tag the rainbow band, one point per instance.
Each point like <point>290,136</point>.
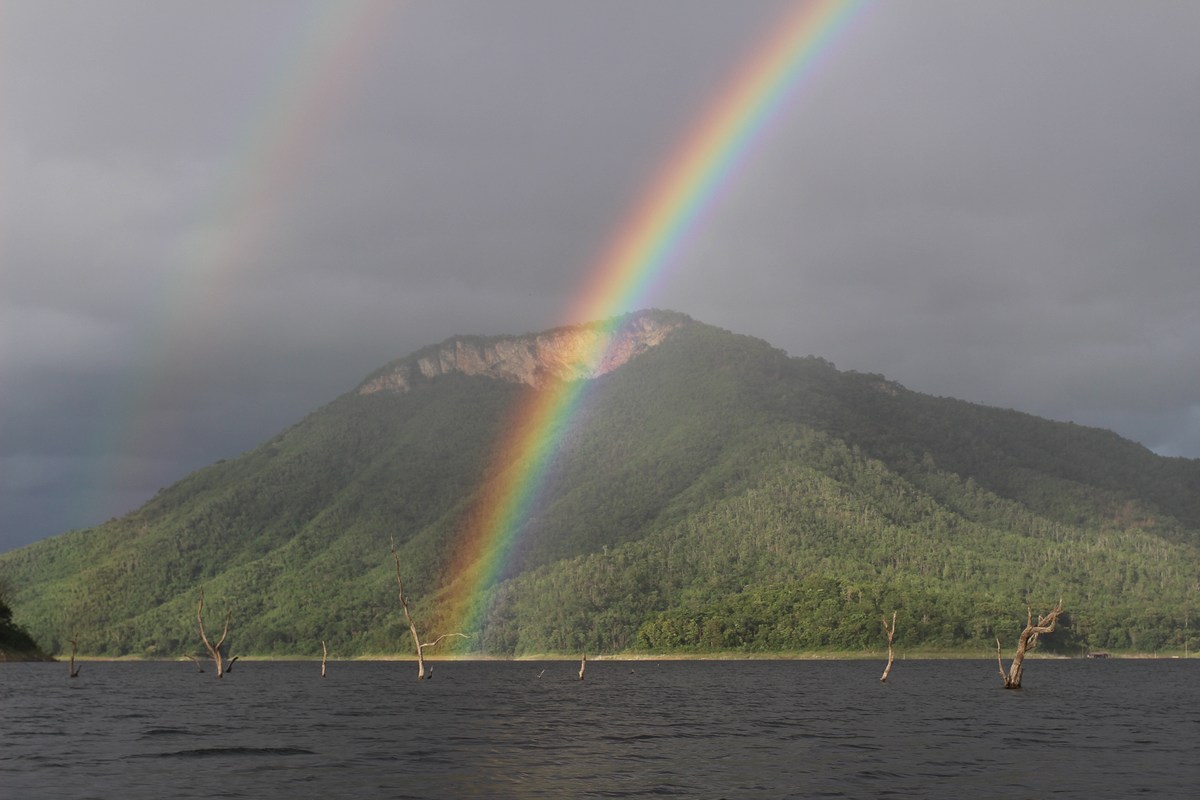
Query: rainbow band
<point>645,244</point>
<point>302,87</point>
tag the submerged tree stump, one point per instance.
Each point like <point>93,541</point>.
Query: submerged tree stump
<point>1025,643</point>
<point>412,626</point>
<point>214,650</point>
<point>891,634</point>
<point>72,670</point>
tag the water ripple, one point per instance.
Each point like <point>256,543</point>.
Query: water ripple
<point>699,730</point>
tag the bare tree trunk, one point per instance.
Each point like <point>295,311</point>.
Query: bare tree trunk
<point>1025,643</point>
<point>891,634</point>
<point>324,656</point>
<point>582,666</point>
<point>72,670</point>
<point>214,651</point>
<point>412,626</point>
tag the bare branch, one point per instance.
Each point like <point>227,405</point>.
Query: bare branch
<point>1047,623</point>
<point>443,636</point>
<point>200,621</point>
<point>225,633</point>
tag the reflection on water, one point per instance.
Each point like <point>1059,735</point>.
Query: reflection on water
<point>939,729</point>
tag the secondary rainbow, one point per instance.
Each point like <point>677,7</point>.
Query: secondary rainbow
<point>668,212</point>
<point>307,77</point>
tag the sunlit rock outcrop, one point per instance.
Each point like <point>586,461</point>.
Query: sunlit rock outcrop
<point>562,354</point>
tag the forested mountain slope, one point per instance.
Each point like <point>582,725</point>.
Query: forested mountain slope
<point>712,494</point>
<point>15,643</point>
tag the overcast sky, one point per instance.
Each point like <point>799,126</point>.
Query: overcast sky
<point>216,217</point>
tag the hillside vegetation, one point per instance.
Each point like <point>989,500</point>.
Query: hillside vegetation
<point>15,642</point>
<point>712,494</point>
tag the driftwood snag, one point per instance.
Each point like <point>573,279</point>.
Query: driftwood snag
<point>422,674</point>
<point>214,650</point>
<point>891,634</point>
<point>324,656</point>
<point>1025,643</point>
<point>582,666</point>
<point>72,670</point>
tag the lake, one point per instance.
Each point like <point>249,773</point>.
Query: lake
<point>709,729</point>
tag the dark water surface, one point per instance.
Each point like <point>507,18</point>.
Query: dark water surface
<point>938,729</point>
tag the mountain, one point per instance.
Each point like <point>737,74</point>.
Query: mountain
<point>712,493</point>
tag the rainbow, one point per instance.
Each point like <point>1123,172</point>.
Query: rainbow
<point>668,213</point>
<point>306,78</point>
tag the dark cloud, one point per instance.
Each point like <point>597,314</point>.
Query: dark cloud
<point>219,216</point>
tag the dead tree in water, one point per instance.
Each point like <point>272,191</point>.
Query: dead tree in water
<point>324,656</point>
<point>72,670</point>
<point>412,626</point>
<point>891,634</point>
<point>582,666</point>
<point>1026,642</point>
<point>214,650</point>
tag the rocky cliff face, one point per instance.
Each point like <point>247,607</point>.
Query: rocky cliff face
<point>569,353</point>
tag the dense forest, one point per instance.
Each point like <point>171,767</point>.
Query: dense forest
<point>15,642</point>
<point>712,494</point>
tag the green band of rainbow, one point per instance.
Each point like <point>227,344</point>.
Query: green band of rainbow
<point>638,255</point>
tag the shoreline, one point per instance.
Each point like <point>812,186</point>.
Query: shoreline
<point>633,657</point>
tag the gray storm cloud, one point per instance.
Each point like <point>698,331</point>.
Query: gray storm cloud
<point>994,201</point>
